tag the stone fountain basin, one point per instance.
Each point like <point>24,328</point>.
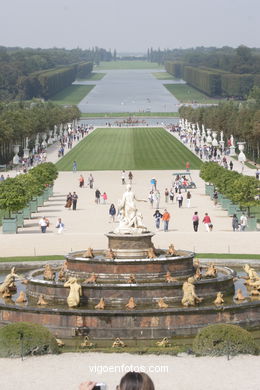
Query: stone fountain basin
<point>119,293</point>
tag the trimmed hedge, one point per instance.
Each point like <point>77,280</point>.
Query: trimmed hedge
<point>27,339</point>
<point>224,339</point>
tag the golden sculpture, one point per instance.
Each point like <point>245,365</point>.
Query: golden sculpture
<point>59,342</point>
<point>25,281</point>
<point>118,343</point>
<point>151,254</point>
<point>48,274</point>
<point>89,253</point>
<point>131,304</point>
<point>255,292</point>
<point>110,254</point>
<point>170,278</point>
<point>189,295</point>
<point>239,295</point>
<point>131,279</point>
<point>87,343</point>
<point>41,301</point>
<point>162,304</point>
<point>211,271</point>
<point>163,343</point>
<point>219,299</point>
<point>73,299</point>
<point>198,274</point>
<point>91,279</point>
<point>171,250</point>
<point>21,298</point>
<point>63,270</point>
<point>196,263</point>
<point>7,293</point>
<point>101,304</point>
<point>9,283</point>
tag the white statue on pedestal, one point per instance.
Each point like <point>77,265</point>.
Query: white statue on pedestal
<point>131,221</point>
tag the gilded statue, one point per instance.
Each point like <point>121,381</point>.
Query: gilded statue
<point>162,304</point>
<point>21,298</point>
<point>211,271</point>
<point>131,279</point>
<point>48,274</point>
<point>118,343</point>
<point>239,295</point>
<point>41,300</point>
<point>91,279</point>
<point>110,254</point>
<point>151,254</point>
<point>89,253</point>
<point>73,299</point>
<point>219,299</point>
<point>101,304</point>
<point>169,278</point>
<point>87,343</point>
<point>9,283</point>
<point>189,295</point>
<point>163,343</point>
<point>131,304</point>
<point>252,274</point>
<point>171,250</point>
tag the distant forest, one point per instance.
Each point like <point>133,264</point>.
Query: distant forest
<point>17,64</point>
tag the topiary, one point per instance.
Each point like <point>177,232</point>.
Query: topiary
<point>224,339</point>
<point>25,338</point>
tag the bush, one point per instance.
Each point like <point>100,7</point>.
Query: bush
<point>224,339</point>
<point>27,339</point>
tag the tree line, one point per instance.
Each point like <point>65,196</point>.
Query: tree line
<point>19,120</point>
<point>16,64</point>
<point>241,119</point>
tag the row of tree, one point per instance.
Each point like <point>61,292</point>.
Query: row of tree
<point>26,119</point>
<point>16,64</point>
<point>242,120</point>
<point>16,193</point>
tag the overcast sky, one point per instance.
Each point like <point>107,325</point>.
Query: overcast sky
<point>129,25</point>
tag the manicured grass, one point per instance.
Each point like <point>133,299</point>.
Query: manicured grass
<point>94,76</point>
<point>163,76</point>
<point>130,149</point>
<point>128,114</point>
<point>227,256</point>
<point>72,95</point>
<point>106,65</point>
<point>20,259</point>
<point>186,94</point>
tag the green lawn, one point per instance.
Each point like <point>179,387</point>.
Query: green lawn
<point>186,94</point>
<point>94,76</point>
<point>129,148</point>
<point>163,76</point>
<point>72,94</point>
<point>128,114</point>
<point>106,65</point>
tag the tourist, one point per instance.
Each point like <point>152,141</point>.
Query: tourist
<point>166,218</point>
<point>74,200</point>
<point>188,199</point>
<point>44,223</point>
<point>157,197</point>
<point>171,195</point>
<point>231,165</point>
<point>151,198</point>
<point>207,222</point>
<point>130,381</point>
<point>112,212</point>
<point>180,199</point>
<point>243,222</point>
<point>257,174</point>
<point>130,177</point>
<point>2,177</point>
<point>68,201</point>
<point>97,196</point>
<point>123,177</point>
<point>157,216</point>
<point>166,195</point>
<point>81,181</point>
<point>187,166</point>
<point>153,183</point>
<point>195,221</point>
<point>74,166</point>
<point>60,225</point>
<point>235,224</point>
<point>90,181</point>
<point>215,198</point>
<point>104,197</point>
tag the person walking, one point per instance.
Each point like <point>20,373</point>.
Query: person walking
<point>68,201</point>
<point>157,196</point>
<point>166,218</point>
<point>74,200</point>
<point>90,181</point>
<point>74,166</point>
<point>171,195</point>
<point>195,221</point>
<point>207,222</point>
<point>180,199</point>
<point>231,165</point>
<point>112,212</point>
<point>235,224</point>
<point>243,222</point>
<point>215,198</point>
<point>104,197</point>
<point>166,195</point>
<point>44,223</point>
<point>151,198</point>
<point>81,181</point>
<point>187,166</point>
<point>97,196</point>
<point>123,177</point>
<point>188,199</point>
<point>130,177</point>
<point>157,216</point>
<point>60,225</point>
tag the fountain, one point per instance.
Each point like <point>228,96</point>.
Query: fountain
<point>131,290</point>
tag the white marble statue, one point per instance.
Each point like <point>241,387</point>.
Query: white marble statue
<point>130,220</point>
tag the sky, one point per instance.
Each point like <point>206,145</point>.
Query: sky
<point>129,25</point>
